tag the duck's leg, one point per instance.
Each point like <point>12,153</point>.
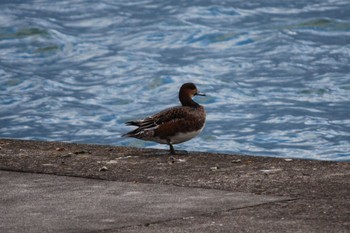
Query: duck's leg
<point>172,151</point>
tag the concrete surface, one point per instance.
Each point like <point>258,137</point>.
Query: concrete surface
<point>43,203</point>
<point>318,191</point>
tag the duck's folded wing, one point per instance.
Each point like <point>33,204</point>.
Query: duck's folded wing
<point>159,118</point>
<point>170,114</point>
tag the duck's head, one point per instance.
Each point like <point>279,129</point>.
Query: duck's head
<point>187,92</point>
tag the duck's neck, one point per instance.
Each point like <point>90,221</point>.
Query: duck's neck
<point>188,101</point>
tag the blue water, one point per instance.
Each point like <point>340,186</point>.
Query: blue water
<point>276,73</point>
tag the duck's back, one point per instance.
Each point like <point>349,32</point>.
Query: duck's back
<point>179,124</point>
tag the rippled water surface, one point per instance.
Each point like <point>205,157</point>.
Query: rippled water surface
<point>276,73</point>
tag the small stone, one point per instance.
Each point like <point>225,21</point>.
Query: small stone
<point>127,157</point>
<point>214,168</point>
<point>66,155</point>
<point>103,169</point>
<point>48,165</point>
<point>60,149</point>
<point>270,171</point>
<point>288,160</point>
<point>171,160</point>
<point>112,161</point>
<point>236,161</point>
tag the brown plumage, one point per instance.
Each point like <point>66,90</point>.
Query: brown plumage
<point>173,125</point>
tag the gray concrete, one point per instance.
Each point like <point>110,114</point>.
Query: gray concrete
<point>159,188</point>
<point>47,203</point>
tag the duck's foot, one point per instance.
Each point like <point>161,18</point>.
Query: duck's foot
<point>172,151</point>
<point>178,152</point>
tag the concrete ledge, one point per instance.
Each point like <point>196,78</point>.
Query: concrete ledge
<point>320,189</point>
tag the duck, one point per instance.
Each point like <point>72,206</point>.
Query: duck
<point>173,125</point>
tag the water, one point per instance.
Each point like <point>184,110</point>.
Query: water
<point>276,73</point>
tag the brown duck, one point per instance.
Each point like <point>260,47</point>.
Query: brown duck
<point>173,125</point>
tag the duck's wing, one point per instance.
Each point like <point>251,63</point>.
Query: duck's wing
<point>153,122</point>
